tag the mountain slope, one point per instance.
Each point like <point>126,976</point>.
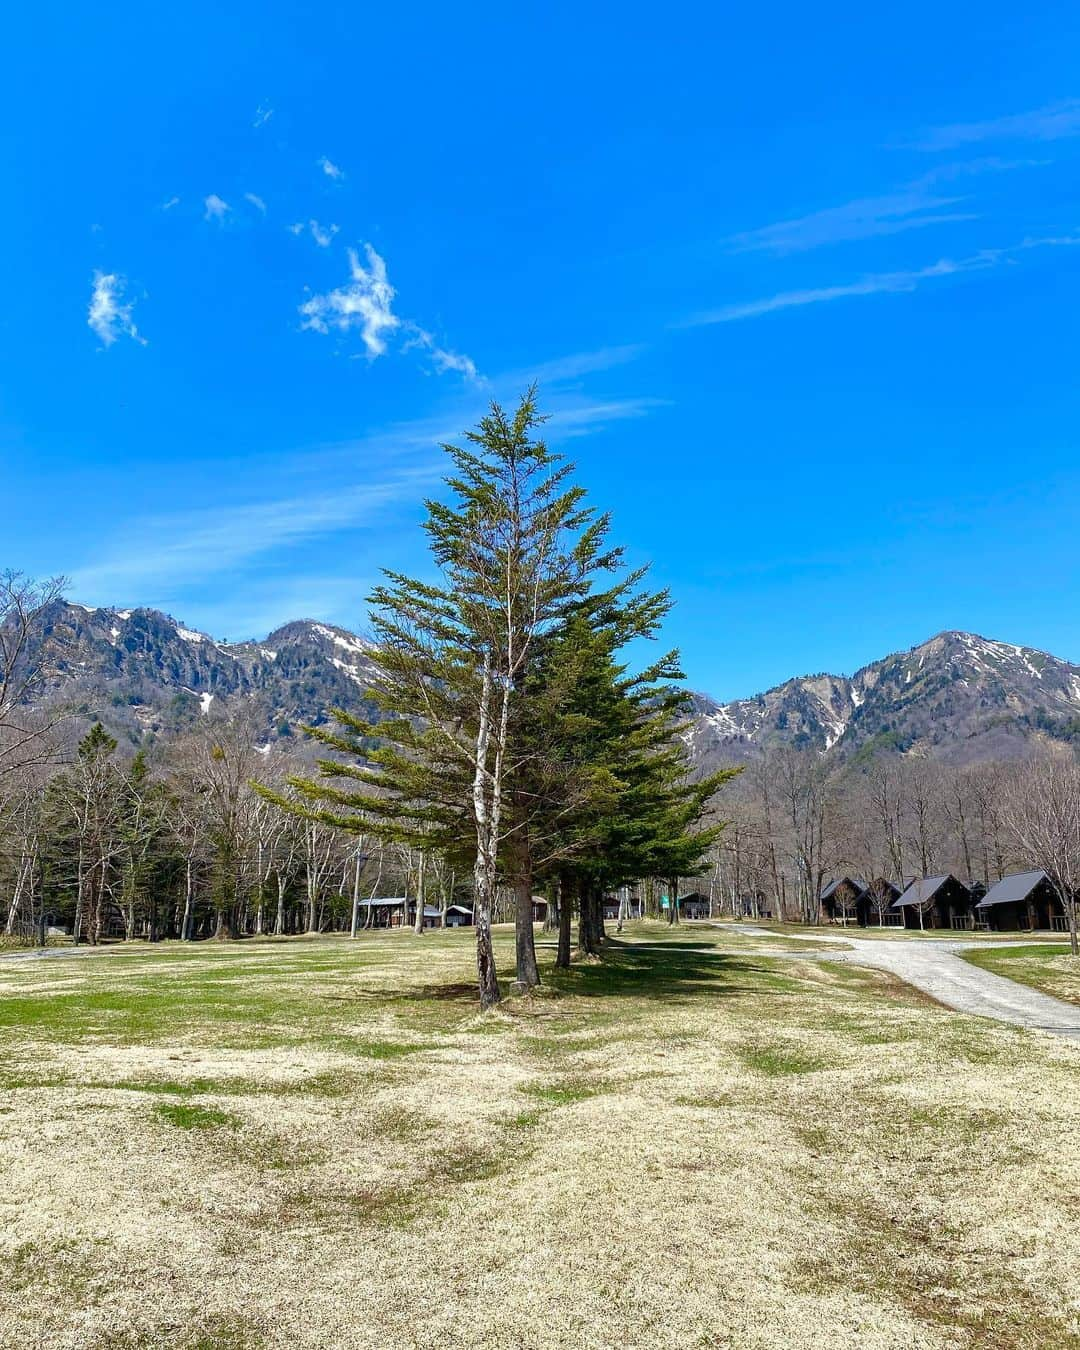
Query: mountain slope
<point>956,697</point>
<point>144,675</point>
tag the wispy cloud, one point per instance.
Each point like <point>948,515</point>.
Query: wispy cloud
<point>261,545</point>
<point>876,283</point>
<point>109,313</point>
<point>568,421</point>
<point>442,358</point>
<point>1054,122</point>
<point>365,303</point>
<point>215,208</point>
<point>200,544</point>
<point>255,201</point>
<point>911,208</point>
<point>330,168</point>
<point>322,234</point>
<point>564,369</point>
<point>263,114</point>
<point>168,206</point>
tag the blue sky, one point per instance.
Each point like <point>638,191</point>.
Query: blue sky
<point>800,287</point>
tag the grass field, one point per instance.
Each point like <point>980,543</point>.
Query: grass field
<point>318,1143</point>
<point>1048,967</point>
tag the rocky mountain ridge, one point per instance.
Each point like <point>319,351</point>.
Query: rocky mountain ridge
<point>144,675</point>
<point>956,697</point>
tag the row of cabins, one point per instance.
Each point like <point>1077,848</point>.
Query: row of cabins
<point>400,911</point>
<point>1020,903</point>
<point>397,911</point>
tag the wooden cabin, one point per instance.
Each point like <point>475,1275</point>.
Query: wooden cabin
<point>458,916</point>
<point>843,899</point>
<point>1022,902</point>
<point>694,906</point>
<point>935,902</point>
<point>879,899</point>
<point>384,911</point>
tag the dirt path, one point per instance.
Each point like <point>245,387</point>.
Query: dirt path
<point>936,968</point>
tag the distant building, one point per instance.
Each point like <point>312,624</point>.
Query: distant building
<point>935,902</point>
<point>694,906</point>
<point>1026,900</point>
<point>458,916</point>
<point>385,911</point>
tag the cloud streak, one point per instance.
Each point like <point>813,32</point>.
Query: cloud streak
<point>330,168</point>
<point>200,544</point>
<point>442,358</point>
<point>911,208</point>
<point>877,283</point>
<point>109,314</point>
<point>1056,121</point>
<point>215,208</point>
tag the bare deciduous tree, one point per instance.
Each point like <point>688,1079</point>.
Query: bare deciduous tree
<point>1042,810</point>
<point>27,656</point>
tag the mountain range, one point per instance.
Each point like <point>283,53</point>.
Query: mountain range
<point>956,697</point>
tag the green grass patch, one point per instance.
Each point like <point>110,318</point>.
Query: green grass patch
<point>775,1061</point>
<point>562,1094</point>
<point>190,1116</point>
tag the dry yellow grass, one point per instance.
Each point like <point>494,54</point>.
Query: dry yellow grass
<point>323,1144</point>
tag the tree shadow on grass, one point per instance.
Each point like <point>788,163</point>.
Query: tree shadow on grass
<point>675,971</point>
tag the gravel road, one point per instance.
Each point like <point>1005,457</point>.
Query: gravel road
<point>934,966</point>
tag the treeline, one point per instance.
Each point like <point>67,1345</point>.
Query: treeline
<point>180,847</point>
<point>796,821</point>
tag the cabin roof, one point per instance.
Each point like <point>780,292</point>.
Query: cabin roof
<point>923,889</point>
<point>855,882</point>
<point>1011,889</point>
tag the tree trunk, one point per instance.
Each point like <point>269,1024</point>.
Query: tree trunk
<point>486,813</point>
<point>354,922</point>
<point>418,927</point>
<point>483,897</point>
<point>562,958</point>
<point>589,907</point>
<point>187,921</point>
<point>81,883</point>
<point>528,977</point>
